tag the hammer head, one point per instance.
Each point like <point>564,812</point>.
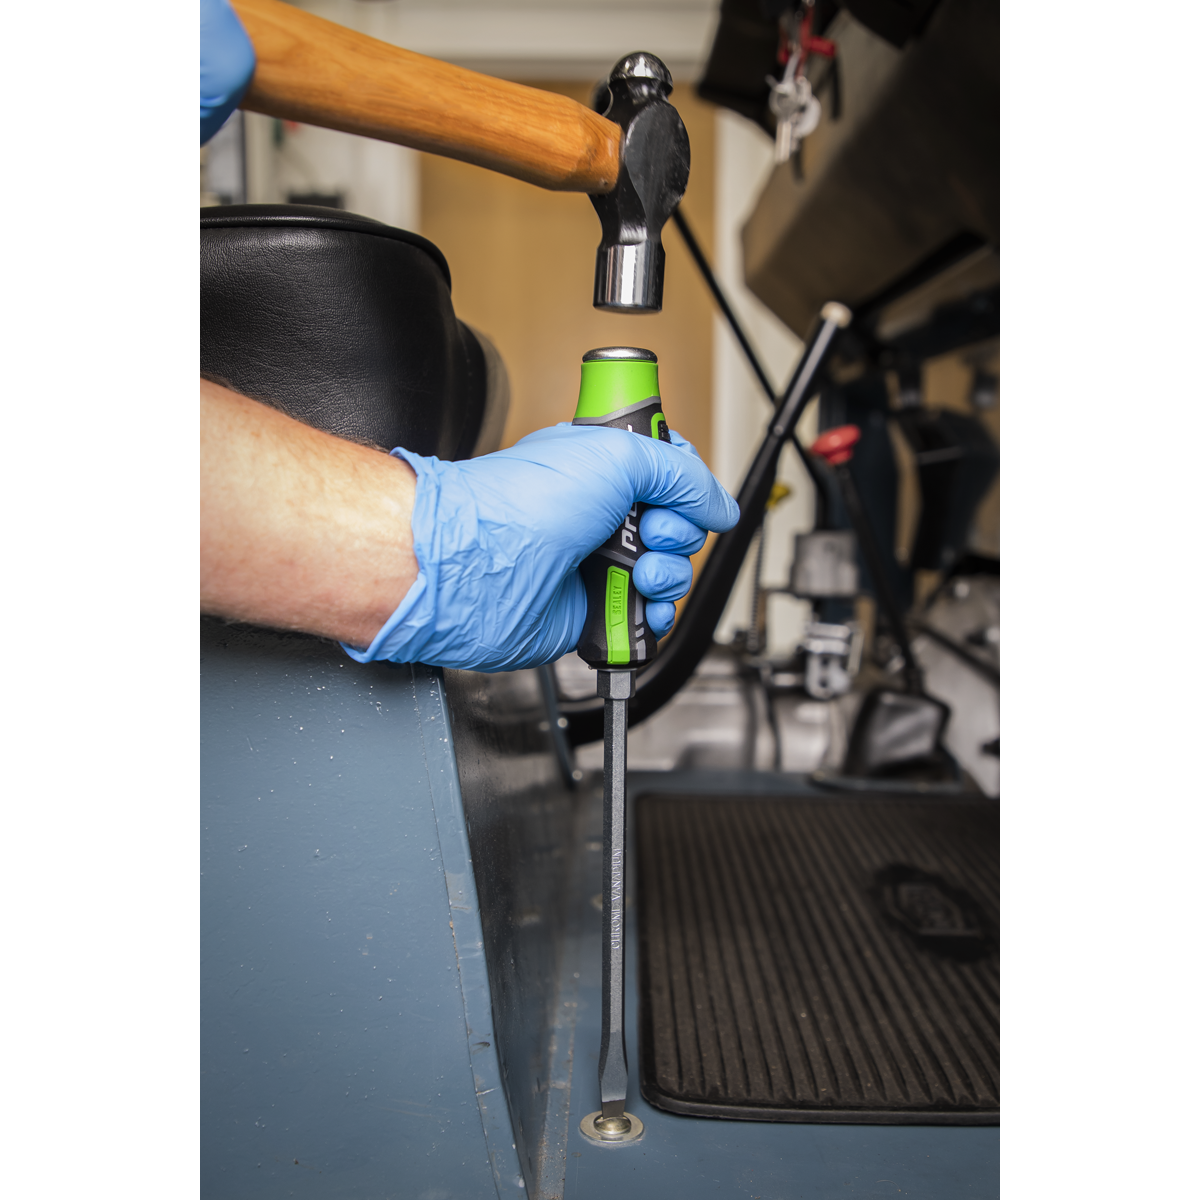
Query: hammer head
<point>655,161</point>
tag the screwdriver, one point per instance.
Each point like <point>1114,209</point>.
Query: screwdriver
<point>619,389</point>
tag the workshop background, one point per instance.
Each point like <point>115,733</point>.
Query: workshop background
<point>434,900</point>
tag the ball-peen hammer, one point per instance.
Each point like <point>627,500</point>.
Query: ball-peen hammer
<point>635,166</point>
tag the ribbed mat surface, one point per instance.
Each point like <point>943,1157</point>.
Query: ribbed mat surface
<point>813,959</point>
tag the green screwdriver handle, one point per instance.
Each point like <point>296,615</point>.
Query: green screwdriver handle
<point>618,389</point>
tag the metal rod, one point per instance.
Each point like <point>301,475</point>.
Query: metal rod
<point>718,294</point>
<point>875,565</point>
<point>989,671</point>
<point>754,635</point>
<point>563,751</point>
<point>689,238</point>
<point>614,1071</point>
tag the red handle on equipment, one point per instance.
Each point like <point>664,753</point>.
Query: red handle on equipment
<point>836,446</point>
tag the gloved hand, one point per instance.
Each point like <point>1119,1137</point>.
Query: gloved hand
<point>499,540</point>
<point>226,65</point>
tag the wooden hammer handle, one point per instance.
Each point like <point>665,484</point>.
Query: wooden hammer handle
<point>315,71</point>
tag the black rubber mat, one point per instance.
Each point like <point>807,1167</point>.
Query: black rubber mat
<point>821,960</point>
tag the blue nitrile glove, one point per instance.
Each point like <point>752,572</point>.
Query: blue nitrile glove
<point>226,65</point>
<point>499,540</point>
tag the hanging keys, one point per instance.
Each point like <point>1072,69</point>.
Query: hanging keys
<point>797,110</point>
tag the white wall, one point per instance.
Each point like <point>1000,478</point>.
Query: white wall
<point>740,409</point>
<point>537,39</point>
<point>377,179</point>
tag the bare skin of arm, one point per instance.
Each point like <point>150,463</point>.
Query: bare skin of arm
<point>299,529</point>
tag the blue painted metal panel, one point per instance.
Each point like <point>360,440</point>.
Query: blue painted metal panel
<point>521,817</point>
<point>466,924</point>
<point>336,1057</point>
<point>400,928</point>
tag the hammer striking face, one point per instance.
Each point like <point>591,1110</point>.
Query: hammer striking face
<point>655,161</point>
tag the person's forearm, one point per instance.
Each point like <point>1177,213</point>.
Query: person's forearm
<point>299,529</point>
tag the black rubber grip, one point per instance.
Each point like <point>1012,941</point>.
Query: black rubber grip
<point>615,632</point>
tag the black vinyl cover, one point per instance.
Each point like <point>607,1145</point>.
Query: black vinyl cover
<point>342,322</point>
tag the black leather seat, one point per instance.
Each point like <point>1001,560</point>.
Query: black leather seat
<point>346,324</point>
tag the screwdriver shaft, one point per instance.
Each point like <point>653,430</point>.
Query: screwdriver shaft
<point>614,1071</point>
<point>618,389</point>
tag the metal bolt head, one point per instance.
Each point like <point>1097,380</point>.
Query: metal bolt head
<point>611,1131</point>
<point>612,1126</point>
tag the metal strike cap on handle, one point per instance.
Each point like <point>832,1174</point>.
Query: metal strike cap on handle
<point>620,354</point>
<point>614,379</point>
